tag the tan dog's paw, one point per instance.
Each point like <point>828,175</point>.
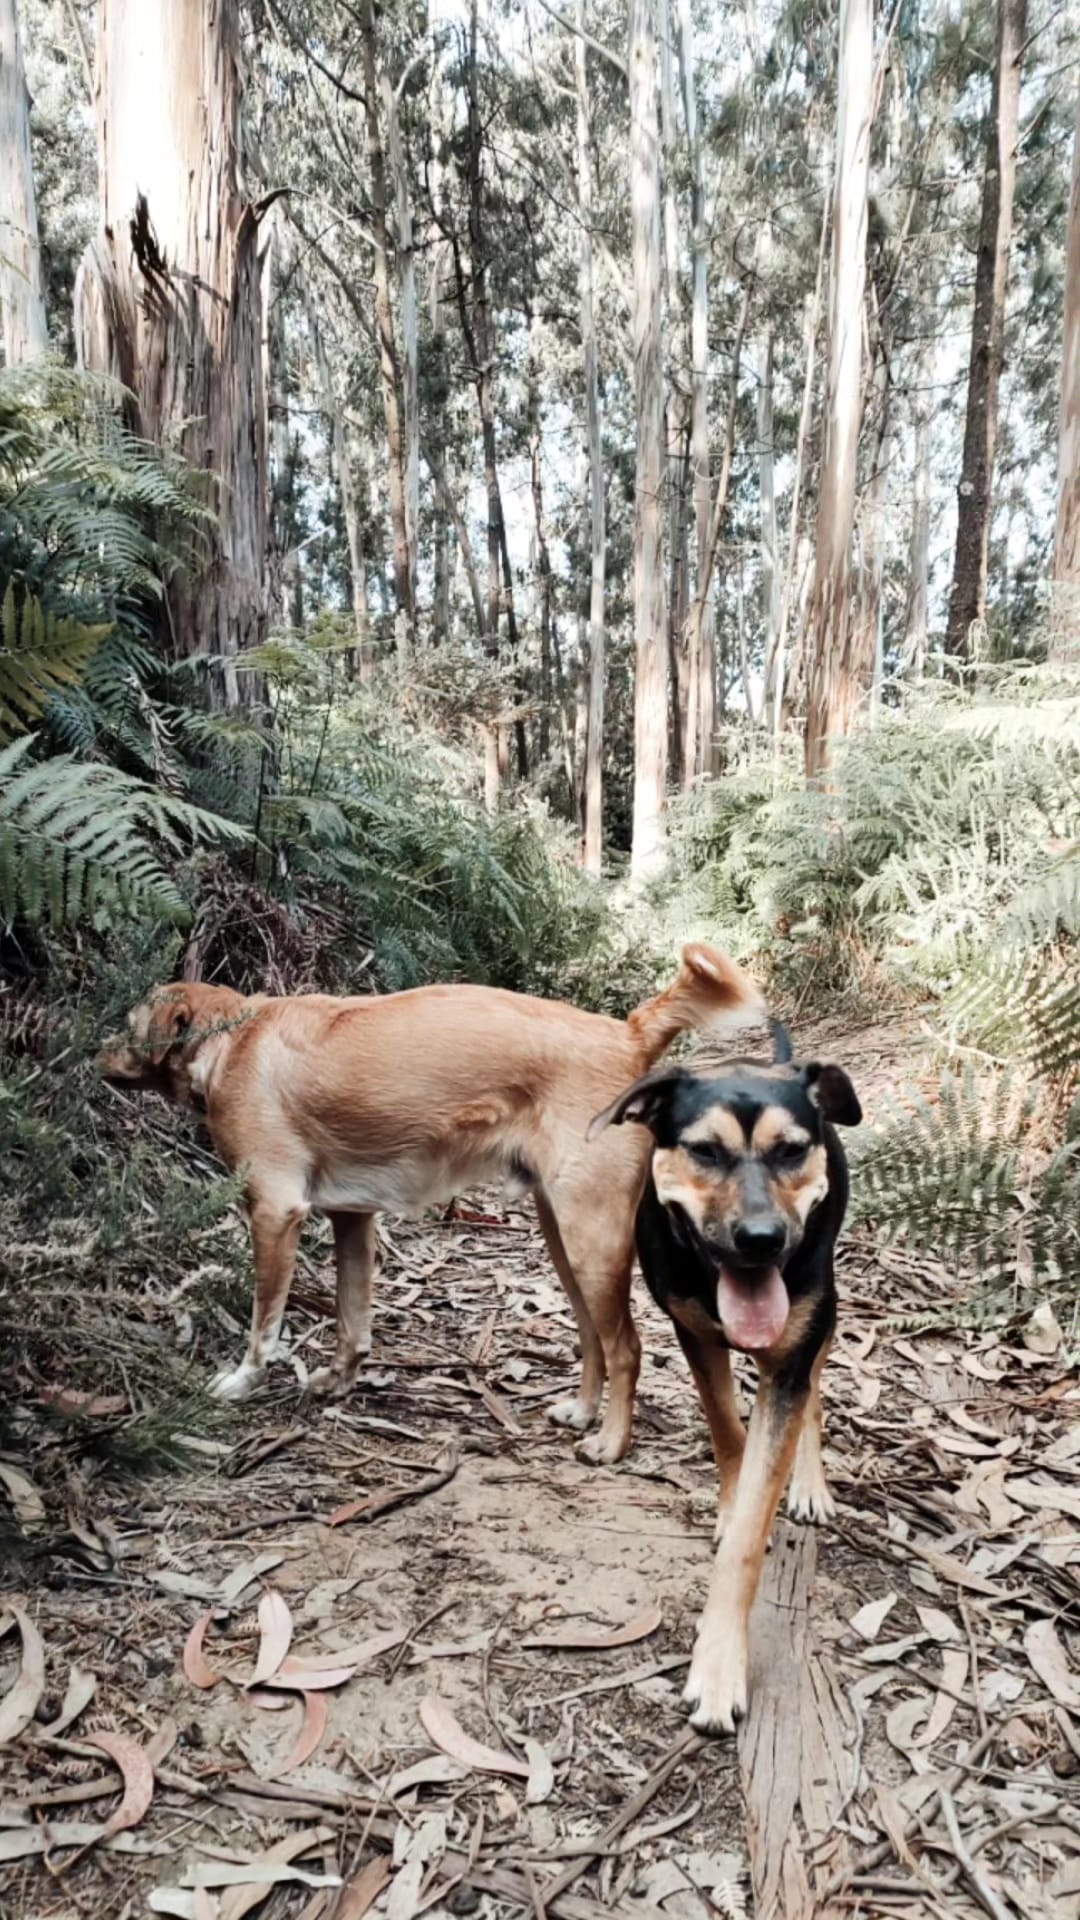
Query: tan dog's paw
<point>571,1413</point>
<point>600,1451</point>
<point>812,1506</point>
<point>716,1690</point>
<point>332,1381</point>
<point>237,1383</point>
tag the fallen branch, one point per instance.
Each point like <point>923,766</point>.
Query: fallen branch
<point>983,1892</point>
<point>687,1744</point>
<point>391,1497</point>
<point>879,1854</point>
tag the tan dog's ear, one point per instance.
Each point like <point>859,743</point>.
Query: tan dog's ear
<point>641,1102</point>
<point>171,1016</point>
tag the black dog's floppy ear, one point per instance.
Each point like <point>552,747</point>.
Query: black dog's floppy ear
<point>832,1092</point>
<point>641,1102</point>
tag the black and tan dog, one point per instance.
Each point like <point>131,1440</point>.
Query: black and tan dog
<point>735,1231</point>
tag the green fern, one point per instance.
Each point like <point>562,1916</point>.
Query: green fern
<point>41,654</point>
<point>82,840</point>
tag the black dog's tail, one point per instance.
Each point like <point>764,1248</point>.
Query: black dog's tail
<point>783,1050</point>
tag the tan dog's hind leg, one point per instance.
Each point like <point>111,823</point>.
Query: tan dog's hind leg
<point>606,1291</point>
<point>275,1236</point>
<point>581,1412</point>
<point>710,1364</point>
<point>809,1499</point>
<point>355,1250</point>
<point>717,1687</point>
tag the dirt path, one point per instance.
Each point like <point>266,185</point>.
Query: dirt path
<point>922,1640</point>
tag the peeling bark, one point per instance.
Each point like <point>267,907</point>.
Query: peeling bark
<point>168,298</point>
<point>22,300</point>
<point>1065,611</point>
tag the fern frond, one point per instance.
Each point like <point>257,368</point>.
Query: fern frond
<point>40,654</point>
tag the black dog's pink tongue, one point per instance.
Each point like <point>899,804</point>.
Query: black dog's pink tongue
<point>753,1313</point>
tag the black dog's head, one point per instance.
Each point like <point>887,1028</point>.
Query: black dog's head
<point>741,1159</point>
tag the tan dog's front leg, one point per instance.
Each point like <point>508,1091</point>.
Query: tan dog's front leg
<point>275,1236</point>
<point>355,1248</point>
<point>717,1687</point>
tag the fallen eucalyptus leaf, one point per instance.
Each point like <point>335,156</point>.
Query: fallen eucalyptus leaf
<point>20,1702</point>
<point>448,1734</point>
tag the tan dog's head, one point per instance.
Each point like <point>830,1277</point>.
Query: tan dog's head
<point>163,1033</point>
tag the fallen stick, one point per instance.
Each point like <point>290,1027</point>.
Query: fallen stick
<point>983,1892</point>
<point>391,1497</point>
<point>879,1854</point>
<point>687,1744</point>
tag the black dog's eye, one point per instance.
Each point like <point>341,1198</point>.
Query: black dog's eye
<point>787,1152</point>
<point>710,1153</point>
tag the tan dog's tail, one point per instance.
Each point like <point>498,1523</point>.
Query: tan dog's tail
<point>709,992</point>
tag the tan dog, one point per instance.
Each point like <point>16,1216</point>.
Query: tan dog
<point>355,1106</point>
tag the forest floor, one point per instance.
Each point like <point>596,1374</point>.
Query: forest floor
<point>913,1743</point>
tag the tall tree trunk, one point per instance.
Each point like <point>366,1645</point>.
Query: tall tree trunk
<point>350,497</point>
<point>967,602</point>
<point>836,675</point>
<point>541,556</point>
<point>703,661</point>
<point>406,267</point>
<point>917,614</point>
<point>405,619</point>
<point>677,423</point>
<point>479,334</point>
<point>870,607</point>
<point>811,319</point>
<point>1065,610</point>
<point>168,297</point>
<point>22,300</point>
<point>286,585</point>
<point>770,537</point>
<point>650,621</point>
<point>594,725</point>
<point>701,675</point>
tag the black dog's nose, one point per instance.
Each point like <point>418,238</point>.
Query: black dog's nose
<point>759,1240</point>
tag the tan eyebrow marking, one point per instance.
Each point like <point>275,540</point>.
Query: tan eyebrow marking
<point>718,1124</point>
<point>774,1125</point>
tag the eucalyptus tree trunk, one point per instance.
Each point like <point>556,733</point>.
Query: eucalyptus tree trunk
<point>22,300</point>
<point>916,618</point>
<point>771,590</point>
<point>650,610</point>
<point>406,269</point>
<point>168,297</point>
<point>405,618</point>
<point>701,690</point>
<point>350,497</point>
<point>870,607</point>
<point>967,601</point>
<point>702,662</point>
<point>594,724</point>
<point>286,584</point>
<point>789,590</point>
<point>541,555</point>
<point>1065,610</point>
<point>677,421</point>
<point>837,676</point>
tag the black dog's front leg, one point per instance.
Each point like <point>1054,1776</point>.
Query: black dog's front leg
<point>717,1688</point>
